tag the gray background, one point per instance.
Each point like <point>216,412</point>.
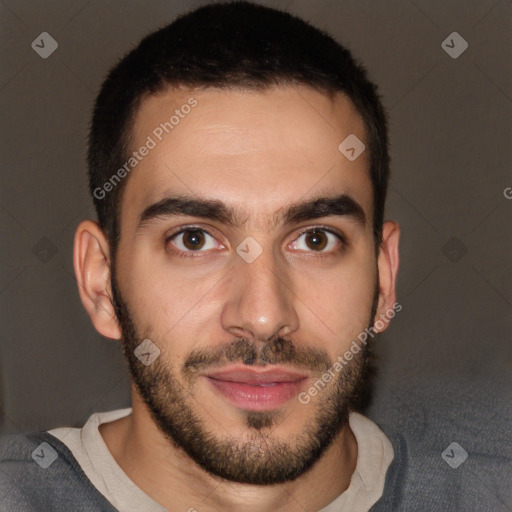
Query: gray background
<point>446,361</point>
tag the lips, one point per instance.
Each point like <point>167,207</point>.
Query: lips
<point>256,389</point>
<point>257,377</point>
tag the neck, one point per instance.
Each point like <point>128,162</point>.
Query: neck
<point>166,474</point>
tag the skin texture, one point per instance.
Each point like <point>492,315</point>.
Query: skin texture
<point>257,152</point>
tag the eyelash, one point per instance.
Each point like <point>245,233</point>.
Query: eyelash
<point>194,254</point>
<point>340,236</point>
<point>186,254</point>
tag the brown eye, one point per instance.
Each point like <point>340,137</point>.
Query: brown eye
<point>316,240</point>
<point>193,239</point>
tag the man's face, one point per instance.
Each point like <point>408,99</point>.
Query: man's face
<point>249,293</point>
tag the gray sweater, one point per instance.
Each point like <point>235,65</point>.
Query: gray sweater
<point>63,487</point>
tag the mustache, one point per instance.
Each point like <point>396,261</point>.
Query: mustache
<point>248,352</point>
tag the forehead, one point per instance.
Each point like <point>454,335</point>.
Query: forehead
<point>254,150</point>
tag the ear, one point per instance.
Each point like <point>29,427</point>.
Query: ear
<point>387,262</point>
<point>91,260</point>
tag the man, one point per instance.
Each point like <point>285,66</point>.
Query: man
<point>238,163</point>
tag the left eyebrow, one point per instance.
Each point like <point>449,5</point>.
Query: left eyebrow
<point>342,205</point>
<point>213,209</point>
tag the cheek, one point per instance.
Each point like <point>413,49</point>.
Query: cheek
<point>337,303</point>
<point>168,300</point>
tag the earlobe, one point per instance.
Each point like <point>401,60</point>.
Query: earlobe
<point>91,261</point>
<point>388,263</point>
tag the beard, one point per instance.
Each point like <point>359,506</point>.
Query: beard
<point>256,458</point>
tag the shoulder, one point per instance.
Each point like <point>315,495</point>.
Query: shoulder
<point>38,472</point>
<point>396,477</point>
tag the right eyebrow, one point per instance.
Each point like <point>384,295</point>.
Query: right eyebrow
<point>185,205</point>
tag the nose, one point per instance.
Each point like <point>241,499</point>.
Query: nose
<point>260,303</point>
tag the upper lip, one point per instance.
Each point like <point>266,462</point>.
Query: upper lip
<point>256,376</point>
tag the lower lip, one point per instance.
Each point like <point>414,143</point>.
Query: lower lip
<point>257,398</point>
